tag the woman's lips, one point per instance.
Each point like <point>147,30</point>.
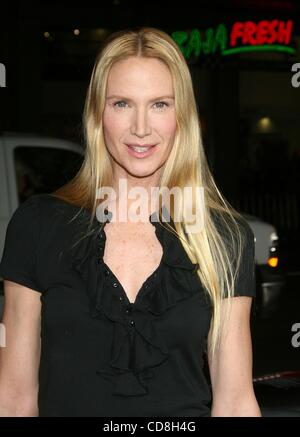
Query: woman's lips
<point>141,151</point>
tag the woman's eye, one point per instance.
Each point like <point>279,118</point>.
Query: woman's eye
<point>120,104</point>
<point>161,105</point>
<point>123,104</point>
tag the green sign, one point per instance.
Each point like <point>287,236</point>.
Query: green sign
<point>245,36</point>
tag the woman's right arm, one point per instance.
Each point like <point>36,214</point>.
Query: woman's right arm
<point>20,359</point>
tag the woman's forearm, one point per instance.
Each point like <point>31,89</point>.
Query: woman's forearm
<point>10,407</point>
<point>238,408</point>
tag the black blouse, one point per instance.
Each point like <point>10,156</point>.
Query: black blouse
<point>100,354</point>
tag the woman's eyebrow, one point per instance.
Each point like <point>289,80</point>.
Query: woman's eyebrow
<point>113,96</point>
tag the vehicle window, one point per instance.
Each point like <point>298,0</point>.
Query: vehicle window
<point>43,169</point>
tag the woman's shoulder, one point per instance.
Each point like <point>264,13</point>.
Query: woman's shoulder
<point>48,206</point>
<point>224,224</point>
<point>60,216</point>
<point>28,229</point>
<point>44,200</point>
<point>47,215</point>
<point>37,231</point>
<point>240,243</point>
<point>52,203</point>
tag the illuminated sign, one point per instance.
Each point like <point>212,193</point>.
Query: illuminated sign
<point>246,36</point>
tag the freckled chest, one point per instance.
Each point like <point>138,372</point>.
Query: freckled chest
<point>132,252</point>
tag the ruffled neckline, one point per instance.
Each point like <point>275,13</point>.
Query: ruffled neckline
<point>137,347</point>
<point>171,255</point>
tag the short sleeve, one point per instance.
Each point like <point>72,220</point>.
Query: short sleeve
<point>18,262</point>
<point>245,283</point>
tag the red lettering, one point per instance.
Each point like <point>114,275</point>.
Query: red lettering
<point>250,30</point>
<point>265,32</point>
<point>272,30</point>
<point>236,33</point>
<point>285,31</point>
<point>262,32</point>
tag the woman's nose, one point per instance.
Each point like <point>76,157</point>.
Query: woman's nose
<point>140,123</point>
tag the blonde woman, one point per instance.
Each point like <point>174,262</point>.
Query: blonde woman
<point>113,317</point>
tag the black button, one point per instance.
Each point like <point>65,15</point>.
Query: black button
<point>106,272</point>
<point>131,323</point>
<point>121,298</point>
<point>128,310</point>
<point>115,285</point>
<point>146,286</point>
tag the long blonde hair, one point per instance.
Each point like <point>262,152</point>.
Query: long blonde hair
<point>186,166</point>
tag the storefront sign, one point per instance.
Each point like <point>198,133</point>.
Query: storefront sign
<point>246,36</point>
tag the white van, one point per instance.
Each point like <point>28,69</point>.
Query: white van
<point>31,164</point>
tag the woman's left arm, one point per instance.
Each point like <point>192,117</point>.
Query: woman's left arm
<point>231,368</point>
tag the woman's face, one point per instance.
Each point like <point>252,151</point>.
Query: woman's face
<point>139,119</point>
